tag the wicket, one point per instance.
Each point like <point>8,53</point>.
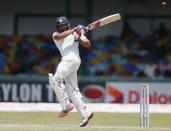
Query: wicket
<point>144,106</point>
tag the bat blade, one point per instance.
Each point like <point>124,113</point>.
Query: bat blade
<point>104,21</point>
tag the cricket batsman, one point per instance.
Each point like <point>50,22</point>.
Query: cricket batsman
<point>67,41</point>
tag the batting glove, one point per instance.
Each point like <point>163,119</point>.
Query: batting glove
<point>82,29</point>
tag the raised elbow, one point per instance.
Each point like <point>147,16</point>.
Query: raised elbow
<point>88,45</point>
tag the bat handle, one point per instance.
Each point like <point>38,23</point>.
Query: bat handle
<point>84,30</point>
<point>88,28</point>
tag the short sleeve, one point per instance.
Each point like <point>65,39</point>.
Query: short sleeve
<point>55,33</point>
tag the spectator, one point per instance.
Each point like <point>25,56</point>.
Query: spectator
<point>127,33</point>
<point>149,70</point>
<point>162,32</point>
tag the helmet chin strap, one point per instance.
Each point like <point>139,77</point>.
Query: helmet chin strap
<point>69,25</point>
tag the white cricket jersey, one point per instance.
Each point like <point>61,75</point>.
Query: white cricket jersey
<point>68,47</point>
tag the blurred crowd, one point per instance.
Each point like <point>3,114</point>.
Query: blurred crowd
<point>129,55</point>
<point>27,54</point>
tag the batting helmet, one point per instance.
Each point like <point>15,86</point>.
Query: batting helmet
<point>62,21</point>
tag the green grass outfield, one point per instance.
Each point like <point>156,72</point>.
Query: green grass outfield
<point>48,121</point>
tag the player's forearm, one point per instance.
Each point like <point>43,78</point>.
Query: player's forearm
<point>64,34</point>
<point>84,43</point>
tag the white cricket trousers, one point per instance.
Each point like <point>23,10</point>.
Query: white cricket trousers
<point>67,70</point>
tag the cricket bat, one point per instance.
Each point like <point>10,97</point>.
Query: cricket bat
<point>99,23</point>
<point>103,21</point>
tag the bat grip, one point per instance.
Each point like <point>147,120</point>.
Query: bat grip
<point>88,28</point>
<point>84,30</point>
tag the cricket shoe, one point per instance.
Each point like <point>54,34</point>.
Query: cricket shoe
<point>85,120</point>
<point>65,112</point>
